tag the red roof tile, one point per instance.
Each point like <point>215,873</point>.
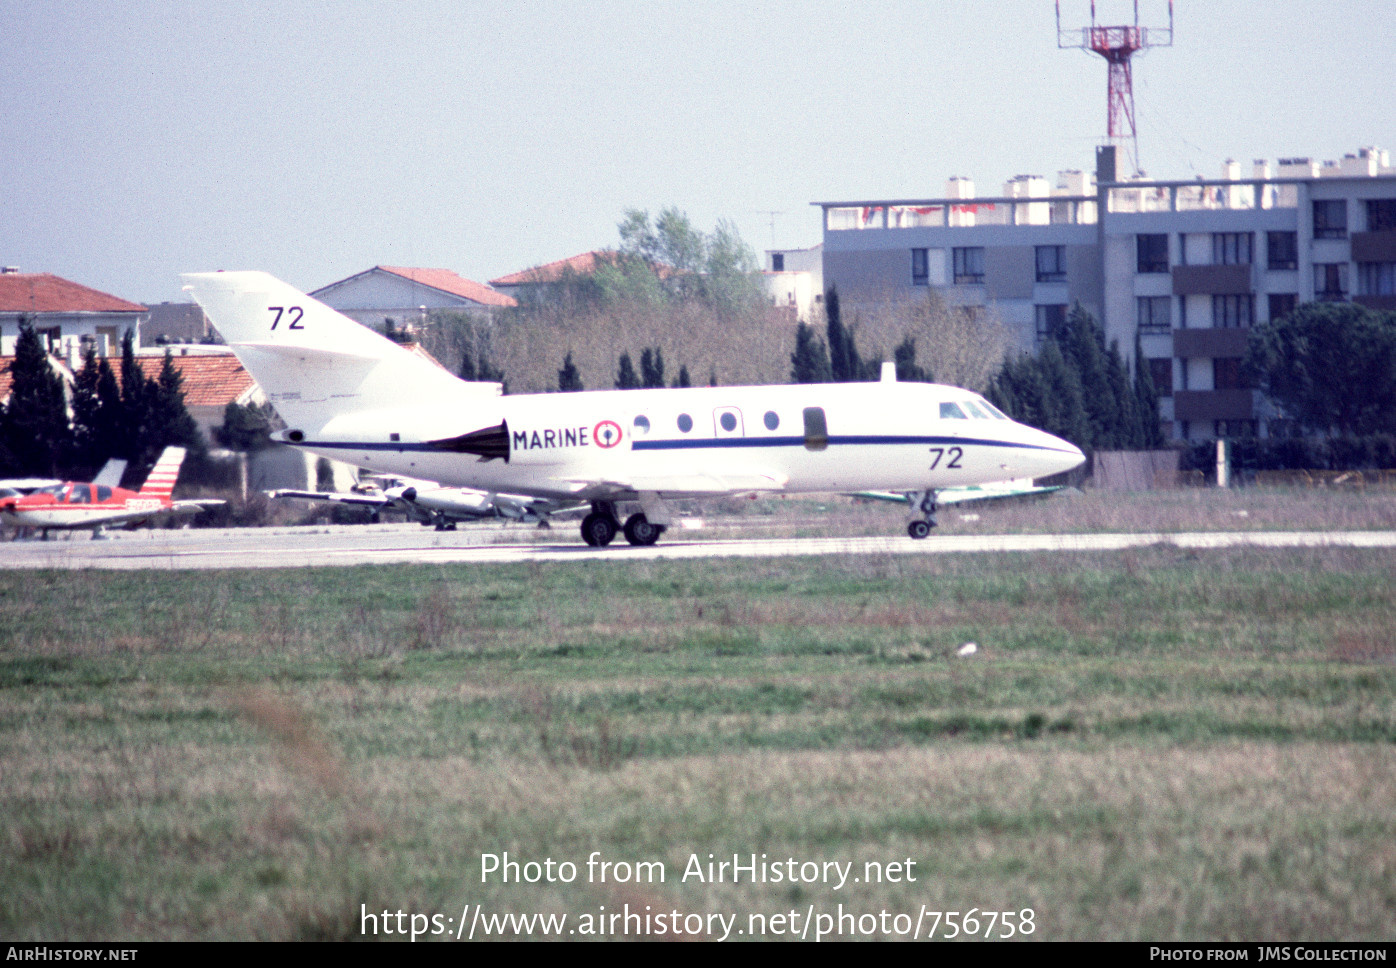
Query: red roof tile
<point>7,379</point>
<point>447,281</point>
<point>46,293</point>
<point>582,265</point>
<point>210,379</point>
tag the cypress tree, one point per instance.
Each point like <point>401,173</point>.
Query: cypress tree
<point>905,358</point>
<point>568,379</point>
<point>625,374</point>
<point>810,361</point>
<point>36,432</point>
<point>90,446</point>
<point>652,368</point>
<point>683,380</point>
<point>844,363</point>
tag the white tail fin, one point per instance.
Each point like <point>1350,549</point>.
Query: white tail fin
<point>163,475</point>
<point>111,472</point>
<point>328,376</point>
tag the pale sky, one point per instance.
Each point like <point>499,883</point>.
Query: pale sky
<point>143,138</point>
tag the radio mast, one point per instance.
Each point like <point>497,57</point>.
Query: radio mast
<point>1117,45</point>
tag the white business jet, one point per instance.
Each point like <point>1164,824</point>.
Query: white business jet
<point>347,393</point>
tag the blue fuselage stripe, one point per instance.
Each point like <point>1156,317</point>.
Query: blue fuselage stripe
<point>726,442</point>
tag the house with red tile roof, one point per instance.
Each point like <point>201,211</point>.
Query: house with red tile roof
<point>536,284</point>
<point>406,296</point>
<point>66,314</point>
<point>212,380</point>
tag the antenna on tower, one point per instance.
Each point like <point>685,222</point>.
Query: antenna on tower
<point>1117,45</point>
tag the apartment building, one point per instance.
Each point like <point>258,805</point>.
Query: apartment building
<point>1187,266</point>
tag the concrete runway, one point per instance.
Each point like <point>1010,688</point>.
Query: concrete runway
<point>327,546</point>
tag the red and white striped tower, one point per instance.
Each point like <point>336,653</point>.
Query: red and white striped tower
<point>1117,45</point>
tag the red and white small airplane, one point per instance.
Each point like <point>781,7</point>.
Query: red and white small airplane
<point>73,505</point>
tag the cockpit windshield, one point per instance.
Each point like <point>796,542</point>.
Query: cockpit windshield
<point>970,408</point>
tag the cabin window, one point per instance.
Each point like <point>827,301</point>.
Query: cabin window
<point>81,494</point>
<point>103,492</point>
<point>642,426</point>
<point>816,429</point>
<point>728,421</point>
<point>951,411</point>
<point>685,423</point>
<point>771,420</point>
<point>975,410</point>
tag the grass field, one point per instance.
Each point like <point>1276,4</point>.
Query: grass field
<point>1155,744</point>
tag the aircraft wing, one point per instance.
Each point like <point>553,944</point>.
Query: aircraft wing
<point>195,505</point>
<point>339,497</point>
<point>684,484</point>
<point>964,495</point>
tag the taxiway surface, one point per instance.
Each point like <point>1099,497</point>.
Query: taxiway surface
<point>411,544</point>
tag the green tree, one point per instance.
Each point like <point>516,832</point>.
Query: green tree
<point>1331,366</point>
<point>905,358</point>
<point>844,362</point>
<point>625,374</point>
<point>568,379</point>
<point>35,434</point>
<point>1146,400</point>
<point>652,368</point>
<point>810,361</point>
<point>717,269</point>
<point>683,380</point>
<point>246,427</point>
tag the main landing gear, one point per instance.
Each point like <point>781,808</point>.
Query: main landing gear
<point>600,526</point>
<point>923,505</point>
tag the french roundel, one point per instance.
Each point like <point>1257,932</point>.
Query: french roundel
<point>606,434</point>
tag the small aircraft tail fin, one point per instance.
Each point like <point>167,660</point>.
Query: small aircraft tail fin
<point>161,482</point>
<point>317,365</point>
<point>111,472</point>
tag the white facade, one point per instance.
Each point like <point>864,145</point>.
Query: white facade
<point>795,279</point>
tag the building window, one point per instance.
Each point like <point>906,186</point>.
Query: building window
<point>1051,263</point>
<point>1283,250</point>
<point>1331,220</point>
<point>1331,281</point>
<point>777,261</point>
<point>1155,316</point>
<point>1152,252</point>
<point>1381,214</point>
<point>1377,278</point>
<point>1282,303</point>
<point>1233,312</point>
<point>1051,319</point>
<point>1234,428</point>
<point>1161,372</point>
<point>920,267</point>
<point>1227,374</point>
<point>969,266</point>
<point>1231,248</point>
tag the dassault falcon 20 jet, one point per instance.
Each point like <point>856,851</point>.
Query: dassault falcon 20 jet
<point>347,393</point>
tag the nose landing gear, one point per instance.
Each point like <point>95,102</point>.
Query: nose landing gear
<point>923,505</point>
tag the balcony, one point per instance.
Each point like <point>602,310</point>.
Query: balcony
<point>1193,343</point>
<point>1213,404</point>
<point>1233,280</point>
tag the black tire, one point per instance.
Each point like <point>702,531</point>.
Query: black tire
<point>639,531</point>
<point>918,530</point>
<point>598,529</point>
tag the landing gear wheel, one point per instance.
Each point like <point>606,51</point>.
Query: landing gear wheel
<point>639,531</point>
<point>598,529</point>
<point>918,529</point>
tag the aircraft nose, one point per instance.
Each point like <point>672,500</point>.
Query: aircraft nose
<point>1068,454</point>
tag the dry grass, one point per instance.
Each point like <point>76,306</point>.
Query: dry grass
<point>1154,745</point>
